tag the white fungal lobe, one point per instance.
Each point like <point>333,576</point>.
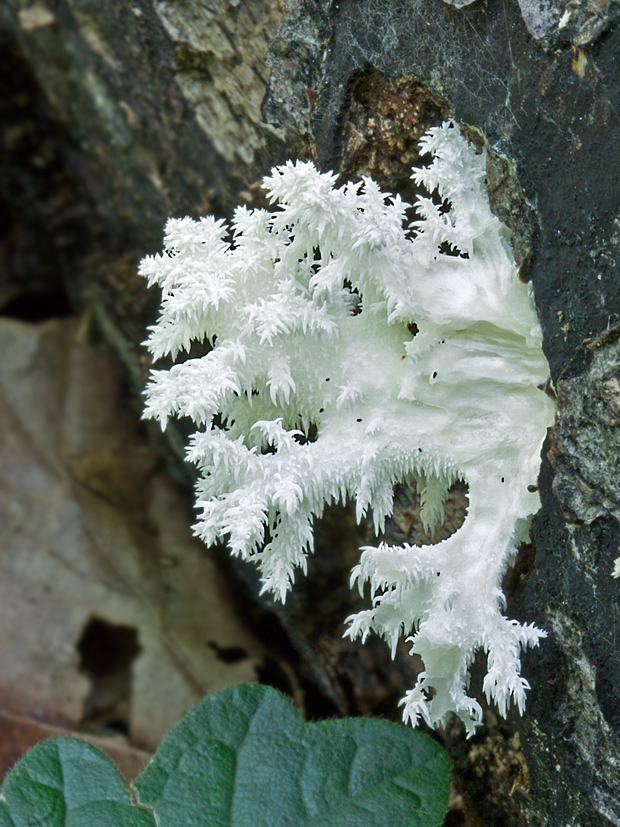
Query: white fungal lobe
<point>310,310</point>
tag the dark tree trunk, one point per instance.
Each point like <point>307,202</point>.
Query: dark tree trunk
<point>115,116</point>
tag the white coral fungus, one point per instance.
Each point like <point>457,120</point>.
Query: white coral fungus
<point>310,311</point>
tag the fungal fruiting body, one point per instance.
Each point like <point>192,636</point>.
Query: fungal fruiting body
<point>316,390</point>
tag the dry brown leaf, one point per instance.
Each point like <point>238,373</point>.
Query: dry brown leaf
<point>111,613</point>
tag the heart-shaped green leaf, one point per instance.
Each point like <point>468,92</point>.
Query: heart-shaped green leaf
<point>244,758</point>
<point>68,783</point>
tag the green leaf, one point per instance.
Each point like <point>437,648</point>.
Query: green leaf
<point>241,758</point>
<point>244,758</point>
<point>65,782</point>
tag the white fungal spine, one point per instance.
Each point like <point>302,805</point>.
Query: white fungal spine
<point>310,310</point>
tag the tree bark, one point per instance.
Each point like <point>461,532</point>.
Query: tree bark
<point>115,116</point>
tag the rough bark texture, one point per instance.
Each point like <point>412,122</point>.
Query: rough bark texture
<point>116,115</point>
